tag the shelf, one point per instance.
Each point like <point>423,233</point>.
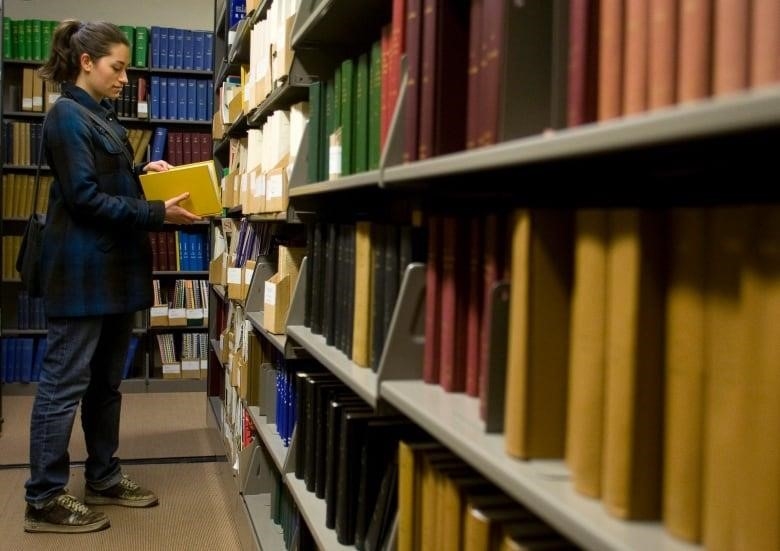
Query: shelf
<point>686,122</point>
<point>360,379</point>
<point>281,97</point>
<point>267,534</point>
<point>341,23</point>
<point>313,510</point>
<point>178,121</point>
<point>23,332</point>
<point>279,341</point>
<point>33,114</point>
<point>192,72</point>
<point>366,180</point>
<point>543,486</point>
<point>191,273</point>
<point>270,437</point>
<point>168,328</point>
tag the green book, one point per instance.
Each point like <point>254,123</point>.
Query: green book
<point>330,126</point>
<point>337,95</point>
<point>313,160</point>
<point>375,106</point>
<point>141,54</point>
<point>8,52</point>
<point>347,116</point>
<point>129,32</point>
<point>17,36</point>
<point>35,39</point>
<point>360,129</point>
<point>27,32</point>
<point>47,30</point>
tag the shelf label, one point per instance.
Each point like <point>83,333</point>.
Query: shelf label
<point>258,185</point>
<point>159,311</point>
<point>177,313</point>
<point>270,293</point>
<point>275,185</point>
<point>234,276</point>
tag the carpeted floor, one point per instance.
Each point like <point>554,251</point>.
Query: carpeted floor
<point>153,425</point>
<point>195,513</point>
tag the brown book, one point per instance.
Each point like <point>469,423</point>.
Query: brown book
<point>726,349</point>
<point>635,56</point>
<point>474,86</point>
<point>764,42</point>
<point>758,482</point>
<point>610,58</point>
<point>537,364</point>
<point>476,290</point>
<point>685,375</point>
<point>414,24</point>
<point>453,290</point>
<point>634,353</point>
<point>432,302</point>
<point>694,75</point>
<point>583,62</point>
<point>585,421</point>
<point>662,50</point>
<point>730,46</point>
<point>361,329</point>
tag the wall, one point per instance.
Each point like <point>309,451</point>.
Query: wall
<point>183,14</point>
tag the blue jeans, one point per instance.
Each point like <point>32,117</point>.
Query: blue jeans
<point>83,363</point>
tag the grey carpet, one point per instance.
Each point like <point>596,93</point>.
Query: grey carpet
<point>153,425</point>
<point>194,513</point>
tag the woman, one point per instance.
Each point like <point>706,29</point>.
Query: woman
<point>96,272</point>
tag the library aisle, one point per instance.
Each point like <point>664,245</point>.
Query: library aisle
<point>166,445</point>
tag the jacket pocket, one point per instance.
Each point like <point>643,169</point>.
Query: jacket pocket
<point>107,153</point>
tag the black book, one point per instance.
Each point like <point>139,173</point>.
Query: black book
<point>323,441</point>
<point>385,510</point>
<point>307,306</point>
<point>309,449</point>
<point>350,291</point>
<point>300,413</point>
<point>336,410</point>
<point>377,293</point>
<point>329,290</point>
<point>391,277</point>
<point>317,280</point>
<point>321,396</point>
<point>340,289</point>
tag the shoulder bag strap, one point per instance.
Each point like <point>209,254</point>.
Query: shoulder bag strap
<point>107,127</point>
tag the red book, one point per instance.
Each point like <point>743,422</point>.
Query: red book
<point>474,306</point>
<point>432,302</point>
<point>454,302</point>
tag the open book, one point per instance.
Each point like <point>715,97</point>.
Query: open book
<point>200,179</point>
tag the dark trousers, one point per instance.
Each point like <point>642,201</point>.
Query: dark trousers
<point>83,363</point>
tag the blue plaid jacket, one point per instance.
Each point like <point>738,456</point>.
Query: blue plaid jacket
<point>97,258</point>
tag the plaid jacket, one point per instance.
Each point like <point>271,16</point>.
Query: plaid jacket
<point>97,258</point>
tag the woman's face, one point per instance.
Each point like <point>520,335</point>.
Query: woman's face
<point>105,76</point>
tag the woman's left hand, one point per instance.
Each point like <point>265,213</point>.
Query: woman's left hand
<point>157,166</point>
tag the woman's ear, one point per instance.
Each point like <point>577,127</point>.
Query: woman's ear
<point>86,62</point>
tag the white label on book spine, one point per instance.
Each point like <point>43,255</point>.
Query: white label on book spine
<point>143,109</point>
<point>258,186</point>
<point>334,161</point>
<point>171,368</point>
<point>190,365</point>
<point>177,313</point>
<point>159,311</point>
<point>270,293</point>
<point>37,101</point>
<point>275,185</point>
<point>234,276</point>
<point>248,273</point>
<point>27,104</point>
<point>194,313</point>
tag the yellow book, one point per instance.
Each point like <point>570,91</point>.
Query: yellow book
<point>199,179</point>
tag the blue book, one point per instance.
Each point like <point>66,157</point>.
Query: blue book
<point>201,103</point>
<point>208,50</point>
<point>171,48</point>
<point>189,50</point>
<point>237,12</point>
<point>210,97</point>
<point>179,59</point>
<point>198,44</point>
<point>192,99</point>
<point>159,139</point>
<point>173,98</point>
<point>155,39</point>
<point>155,96</point>
<point>163,61</point>
<point>181,114</point>
<point>163,98</point>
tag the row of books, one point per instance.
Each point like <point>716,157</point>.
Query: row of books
<point>180,302</point>
<point>11,246</point>
<point>30,312</point>
<point>183,148</point>
<point>138,37</point>
<point>179,251</point>
<point>355,274</point>
<point>181,356</point>
<point>174,48</point>
<point>183,99</point>
<point>19,194</point>
<point>22,142</point>
<point>30,92</point>
<point>21,359</point>
<point>133,101</point>
<point>28,39</point>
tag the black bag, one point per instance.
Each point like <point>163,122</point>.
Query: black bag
<point>28,261</point>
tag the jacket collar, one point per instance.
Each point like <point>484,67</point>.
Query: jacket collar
<point>80,95</point>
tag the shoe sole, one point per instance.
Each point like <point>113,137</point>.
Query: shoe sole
<point>33,526</point>
<point>102,500</point>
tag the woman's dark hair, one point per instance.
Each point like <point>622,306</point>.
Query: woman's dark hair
<point>71,39</point>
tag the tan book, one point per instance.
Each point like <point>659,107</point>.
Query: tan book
<point>610,59</point>
<point>199,179</point>
<point>758,479</point>
<point>585,419</point>
<point>685,375</point>
<point>634,353</point>
<point>725,338</point>
<point>361,328</point>
<point>694,74</point>
<point>410,492</point>
<point>764,42</point>
<point>537,358</point>
<point>635,56</point>
<point>730,46</point>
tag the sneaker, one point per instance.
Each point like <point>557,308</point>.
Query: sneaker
<point>125,492</point>
<point>64,514</point>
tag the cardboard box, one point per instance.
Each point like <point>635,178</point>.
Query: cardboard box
<point>277,196</point>
<point>158,315</point>
<point>276,303</point>
<point>217,271</point>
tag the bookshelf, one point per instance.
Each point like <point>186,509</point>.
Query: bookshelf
<point>19,168</point>
<point>658,160</point>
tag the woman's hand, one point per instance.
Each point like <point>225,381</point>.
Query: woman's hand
<point>174,214</point>
<point>157,166</point>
